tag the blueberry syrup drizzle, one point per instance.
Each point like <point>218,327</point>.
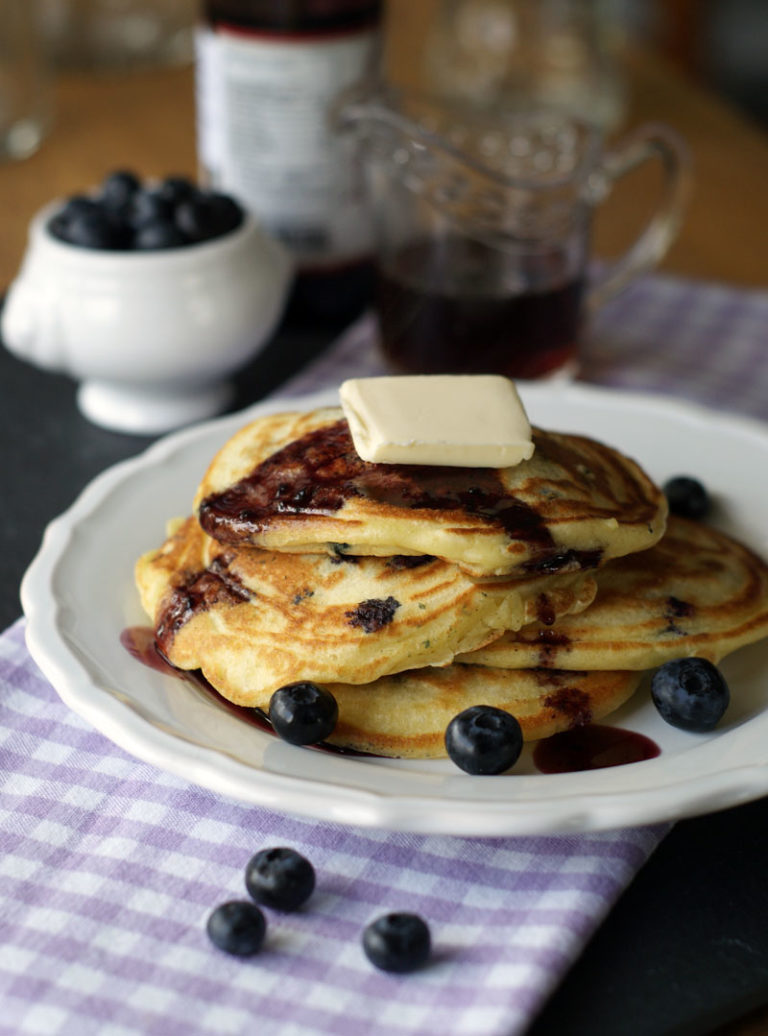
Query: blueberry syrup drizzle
<point>549,640</point>
<point>320,471</point>
<point>198,592</point>
<point>140,643</point>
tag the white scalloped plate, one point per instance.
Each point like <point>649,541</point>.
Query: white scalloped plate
<point>78,597</point>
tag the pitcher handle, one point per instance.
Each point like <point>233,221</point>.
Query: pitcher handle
<point>649,141</point>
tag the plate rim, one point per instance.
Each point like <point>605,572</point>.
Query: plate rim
<point>216,771</point>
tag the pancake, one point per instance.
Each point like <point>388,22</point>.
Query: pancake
<point>253,620</point>
<point>293,482</point>
<point>405,716</point>
<point>697,593</point>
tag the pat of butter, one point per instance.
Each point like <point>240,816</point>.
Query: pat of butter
<point>455,420</point>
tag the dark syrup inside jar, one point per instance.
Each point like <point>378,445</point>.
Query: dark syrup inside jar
<point>445,306</point>
<point>295,17</point>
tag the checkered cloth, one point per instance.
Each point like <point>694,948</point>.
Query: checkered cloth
<point>109,868</point>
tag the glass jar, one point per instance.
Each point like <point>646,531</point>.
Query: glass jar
<point>269,73</point>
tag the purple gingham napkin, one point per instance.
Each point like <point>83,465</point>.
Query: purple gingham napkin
<point>109,868</point>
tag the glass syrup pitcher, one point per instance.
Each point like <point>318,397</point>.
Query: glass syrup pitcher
<point>483,225</point>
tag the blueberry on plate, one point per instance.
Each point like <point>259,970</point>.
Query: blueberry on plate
<point>687,497</point>
<point>280,878</point>
<point>484,740</point>
<point>398,942</point>
<point>237,927</point>
<point>303,713</point>
<point>690,693</point>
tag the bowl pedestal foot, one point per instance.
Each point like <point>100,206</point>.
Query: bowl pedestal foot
<point>142,409</point>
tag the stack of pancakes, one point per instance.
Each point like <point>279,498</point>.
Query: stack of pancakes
<point>413,592</point>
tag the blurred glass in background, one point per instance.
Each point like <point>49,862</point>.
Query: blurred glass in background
<point>517,54</point>
<point>119,34</point>
<point>570,54</point>
<point>26,99</point>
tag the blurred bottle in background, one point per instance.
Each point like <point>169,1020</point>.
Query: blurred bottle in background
<point>517,54</point>
<point>119,34</point>
<point>268,73</point>
<point>26,100</point>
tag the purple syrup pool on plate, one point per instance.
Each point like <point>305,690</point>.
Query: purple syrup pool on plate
<point>592,747</point>
<point>139,641</point>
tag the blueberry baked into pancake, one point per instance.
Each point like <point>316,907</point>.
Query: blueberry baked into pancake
<point>253,620</point>
<point>697,593</point>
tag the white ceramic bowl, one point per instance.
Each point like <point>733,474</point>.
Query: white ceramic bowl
<point>153,337</point>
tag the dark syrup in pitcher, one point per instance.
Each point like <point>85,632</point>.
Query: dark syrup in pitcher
<point>444,308</point>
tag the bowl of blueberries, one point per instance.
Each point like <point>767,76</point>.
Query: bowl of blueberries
<point>151,294</point>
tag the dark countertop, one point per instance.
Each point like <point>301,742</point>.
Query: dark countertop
<point>686,948</point>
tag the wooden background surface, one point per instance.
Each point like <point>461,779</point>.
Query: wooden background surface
<point>145,120</point>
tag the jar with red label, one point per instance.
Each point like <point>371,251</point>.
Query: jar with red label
<point>268,74</point>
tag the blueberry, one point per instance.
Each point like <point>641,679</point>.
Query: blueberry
<point>74,207</point>
<point>206,216</point>
<point>175,189</point>
<point>160,233</point>
<point>95,229</point>
<point>118,188</point>
<point>687,497</point>
<point>280,878</point>
<point>58,226</point>
<point>484,740</point>
<point>303,713</point>
<point>690,693</point>
<point>229,212</point>
<point>148,206</point>
<point>196,218</point>
<point>237,927</point>
<point>397,942</point>
<point>127,214</point>
<point>78,205</point>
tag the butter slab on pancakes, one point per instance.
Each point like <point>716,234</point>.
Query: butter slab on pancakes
<point>406,715</point>
<point>696,593</point>
<point>294,482</point>
<point>254,620</point>
<point>467,420</point>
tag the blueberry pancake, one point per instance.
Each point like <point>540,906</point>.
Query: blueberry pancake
<point>698,592</point>
<point>405,715</point>
<point>254,620</point>
<point>293,482</point>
